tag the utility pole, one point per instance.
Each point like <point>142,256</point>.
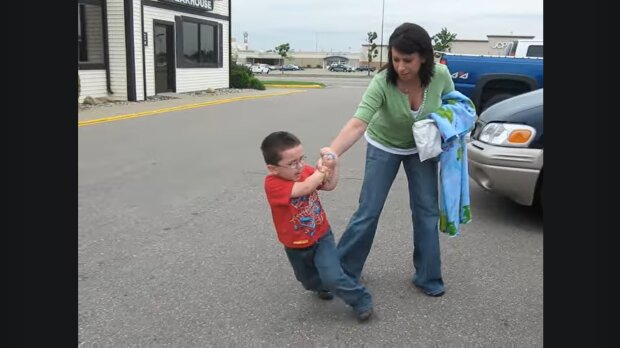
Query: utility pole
<point>381,46</point>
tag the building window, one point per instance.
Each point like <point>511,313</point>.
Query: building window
<point>90,35</point>
<point>199,43</point>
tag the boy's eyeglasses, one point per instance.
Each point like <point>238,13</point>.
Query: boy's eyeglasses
<point>296,164</point>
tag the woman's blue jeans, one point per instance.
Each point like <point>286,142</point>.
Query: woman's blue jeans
<point>380,171</point>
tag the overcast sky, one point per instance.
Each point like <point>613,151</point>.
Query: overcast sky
<point>341,25</point>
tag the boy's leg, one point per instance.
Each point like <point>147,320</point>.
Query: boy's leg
<point>302,261</point>
<point>334,279</point>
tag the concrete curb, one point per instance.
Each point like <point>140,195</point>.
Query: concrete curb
<point>179,108</point>
<point>293,86</point>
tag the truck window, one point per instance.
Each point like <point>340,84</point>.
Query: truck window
<point>534,51</point>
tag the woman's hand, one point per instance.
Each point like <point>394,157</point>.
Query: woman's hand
<point>327,158</point>
<point>327,151</point>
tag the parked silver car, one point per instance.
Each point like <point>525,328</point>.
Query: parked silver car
<point>505,155</point>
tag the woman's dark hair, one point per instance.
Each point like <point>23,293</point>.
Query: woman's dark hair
<point>411,38</point>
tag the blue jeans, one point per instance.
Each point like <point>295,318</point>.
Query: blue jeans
<point>381,169</point>
<point>318,268</point>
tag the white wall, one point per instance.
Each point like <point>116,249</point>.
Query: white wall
<point>381,58</point>
<point>137,43</point>
<point>117,49</point>
<point>470,47</point>
<point>221,7</point>
<point>186,79</point>
<point>92,83</point>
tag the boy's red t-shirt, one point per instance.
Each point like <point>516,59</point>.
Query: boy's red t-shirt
<point>299,221</point>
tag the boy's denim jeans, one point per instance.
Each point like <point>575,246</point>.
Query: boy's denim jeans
<point>381,169</point>
<point>318,268</point>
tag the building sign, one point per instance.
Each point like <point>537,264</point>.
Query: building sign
<point>502,44</point>
<point>206,5</point>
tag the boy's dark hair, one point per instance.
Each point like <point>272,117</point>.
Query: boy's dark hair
<point>275,143</point>
<point>411,38</point>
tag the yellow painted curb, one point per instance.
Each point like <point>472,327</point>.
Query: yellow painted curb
<point>293,86</point>
<point>180,107</point>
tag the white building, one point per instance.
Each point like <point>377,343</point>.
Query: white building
<point>494,45</point>
<point>132,49</point>
<point>300,58</point>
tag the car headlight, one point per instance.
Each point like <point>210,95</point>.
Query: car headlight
<point>507,134</point>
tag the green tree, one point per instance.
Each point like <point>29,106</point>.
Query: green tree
<point>373,52</point>
<point>283,52</point>
<point>442,40</point>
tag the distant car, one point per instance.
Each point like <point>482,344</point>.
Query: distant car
<point>340,67</point>
<point>365,68</point>
<point>260,69</point>
<point>290,67</point>
<point>505,155</point>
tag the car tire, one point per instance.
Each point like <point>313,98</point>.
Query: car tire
<point>539,195</point>
<point>496,99</point>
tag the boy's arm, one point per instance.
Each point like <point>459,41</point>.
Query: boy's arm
<point>309,185</point>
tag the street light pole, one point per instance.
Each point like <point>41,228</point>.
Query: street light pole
<point>316,41</point>
<point>381,45</point>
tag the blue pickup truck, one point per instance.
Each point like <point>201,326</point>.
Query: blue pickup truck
<point>487,80</point>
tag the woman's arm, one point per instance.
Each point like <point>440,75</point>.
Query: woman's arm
<point>349,135</point>
<point>372,100</point>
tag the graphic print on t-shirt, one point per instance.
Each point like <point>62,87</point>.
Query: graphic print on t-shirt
<point>308,214</point>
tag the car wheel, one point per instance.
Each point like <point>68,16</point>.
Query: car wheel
<point>539,195</point>
<point>496,99</point>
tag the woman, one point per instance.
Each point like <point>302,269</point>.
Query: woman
<point>409,87</point>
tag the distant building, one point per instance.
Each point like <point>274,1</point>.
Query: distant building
<point>303,59</point>
<point>494,45</point>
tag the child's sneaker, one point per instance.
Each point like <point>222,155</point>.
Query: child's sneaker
<point>364,315</point>
<point>325,295</point>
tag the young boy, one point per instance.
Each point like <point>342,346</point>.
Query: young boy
<point>301,223</point>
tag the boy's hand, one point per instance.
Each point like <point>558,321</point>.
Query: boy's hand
<point>329,161</point>
<point>322,168</point>
<point>325,171</point>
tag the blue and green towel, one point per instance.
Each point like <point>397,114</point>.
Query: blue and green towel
<point>455,119</point>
